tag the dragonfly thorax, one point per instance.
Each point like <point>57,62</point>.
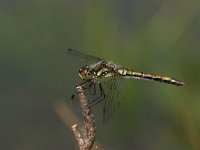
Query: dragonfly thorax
<point>100,70</point>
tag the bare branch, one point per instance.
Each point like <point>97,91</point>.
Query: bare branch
<point>85,135</point>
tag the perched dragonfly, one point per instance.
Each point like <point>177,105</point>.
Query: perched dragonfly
<point>102,80</point>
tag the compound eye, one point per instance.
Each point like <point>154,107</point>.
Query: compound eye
<point>85,72</point>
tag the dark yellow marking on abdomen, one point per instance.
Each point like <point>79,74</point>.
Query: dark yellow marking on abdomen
<point>125,72</point>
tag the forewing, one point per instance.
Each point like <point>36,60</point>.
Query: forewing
<point>83,58</point>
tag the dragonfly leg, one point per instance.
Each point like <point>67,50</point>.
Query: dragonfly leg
<point>94,91</point>
<point>84,87</point>
<point>101,96</point>
<point>84,84</point>
<point>92,85</point>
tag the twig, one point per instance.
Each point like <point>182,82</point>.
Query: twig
<point>85,135</point>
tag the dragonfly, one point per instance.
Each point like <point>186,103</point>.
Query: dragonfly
<point>103,81</point>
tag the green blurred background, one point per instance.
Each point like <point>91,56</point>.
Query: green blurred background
<point>155,36</point>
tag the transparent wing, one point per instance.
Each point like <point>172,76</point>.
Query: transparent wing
<point>114,89</point>
<point>82,58</point>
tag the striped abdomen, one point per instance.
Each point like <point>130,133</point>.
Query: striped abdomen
<point>125,72</point>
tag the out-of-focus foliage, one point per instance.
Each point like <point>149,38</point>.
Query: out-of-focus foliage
<point>155,36</point>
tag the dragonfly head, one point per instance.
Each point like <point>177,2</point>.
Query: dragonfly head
<point>84,73</point>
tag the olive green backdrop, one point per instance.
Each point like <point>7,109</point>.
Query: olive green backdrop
<point>36,76</point>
